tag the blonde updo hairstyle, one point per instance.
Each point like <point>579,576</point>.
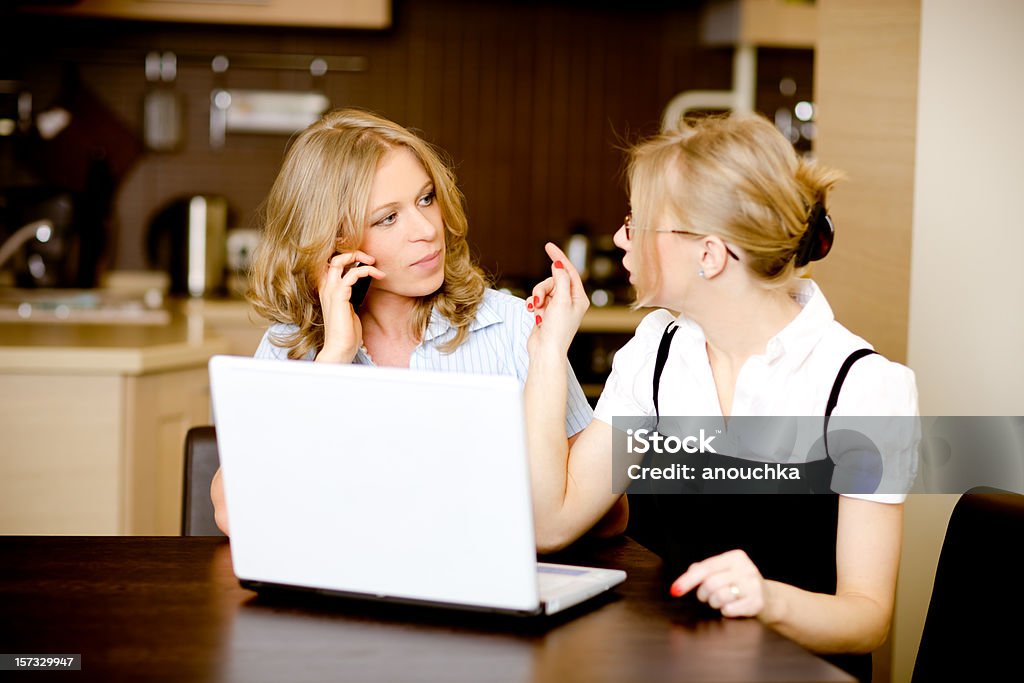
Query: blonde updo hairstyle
<point>318,206</point>
<point>733,176</point>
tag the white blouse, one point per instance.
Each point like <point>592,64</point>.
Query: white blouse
<point>793,377</point>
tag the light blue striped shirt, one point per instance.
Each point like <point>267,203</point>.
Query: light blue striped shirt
<point>496,345</point>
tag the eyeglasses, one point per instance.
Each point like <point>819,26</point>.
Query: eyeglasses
<point>630,229</point>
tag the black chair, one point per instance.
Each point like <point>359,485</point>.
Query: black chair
<point>973,630</point>
<point>201,463</point>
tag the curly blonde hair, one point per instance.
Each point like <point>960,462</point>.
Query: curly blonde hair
<point>736,177</point>
<point>318,206</point>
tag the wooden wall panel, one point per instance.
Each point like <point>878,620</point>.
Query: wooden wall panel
<point>866,83</point>
<point>866,96</point>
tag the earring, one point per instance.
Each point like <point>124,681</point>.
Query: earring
<point>700,273</point>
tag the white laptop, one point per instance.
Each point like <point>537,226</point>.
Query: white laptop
<point>385,483</point>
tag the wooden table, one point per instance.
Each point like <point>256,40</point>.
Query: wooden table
<point>170,609</point>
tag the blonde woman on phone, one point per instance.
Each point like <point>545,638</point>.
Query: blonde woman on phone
<point>361,200</point>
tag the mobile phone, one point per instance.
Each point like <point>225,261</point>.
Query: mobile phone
<point>359,289</point>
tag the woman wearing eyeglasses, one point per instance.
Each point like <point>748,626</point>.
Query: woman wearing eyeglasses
<point>725,220</point>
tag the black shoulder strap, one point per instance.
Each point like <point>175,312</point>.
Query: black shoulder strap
<point>659,362</point>
<point>844,370</point>
<point>833,398</point>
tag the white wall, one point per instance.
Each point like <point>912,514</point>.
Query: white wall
<point>966,335</point>
<point>966,328</point>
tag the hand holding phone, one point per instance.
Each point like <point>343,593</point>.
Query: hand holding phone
<point>341,291</point>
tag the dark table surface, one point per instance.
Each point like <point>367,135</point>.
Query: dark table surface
<point>171,609</point>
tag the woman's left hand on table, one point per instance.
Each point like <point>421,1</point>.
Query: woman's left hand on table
<point>730,582</point>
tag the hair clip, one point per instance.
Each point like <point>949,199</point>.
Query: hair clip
<point>817,240</point>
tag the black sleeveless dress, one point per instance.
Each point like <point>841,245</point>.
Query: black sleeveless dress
<point>791,538</point>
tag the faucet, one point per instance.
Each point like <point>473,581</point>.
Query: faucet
<point>42,230</point>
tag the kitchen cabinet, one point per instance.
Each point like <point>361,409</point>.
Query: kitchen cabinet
<point>765,23</point>
<point>158,411</point>
<point>93,419</point>
<point>357,14</point>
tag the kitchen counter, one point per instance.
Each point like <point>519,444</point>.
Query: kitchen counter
<point>194,330</point>
<point>102,331</point>
<point>597,319</point>
<point>612,319</point>
<point>127,349</point>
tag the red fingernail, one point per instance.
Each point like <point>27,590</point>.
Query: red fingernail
<point>674,591</point>
<point>558,264</point>
<point>538,320</point>
<point>536,301</point>
<point>529,306</point>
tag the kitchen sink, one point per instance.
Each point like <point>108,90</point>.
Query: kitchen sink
<point>80,306</point>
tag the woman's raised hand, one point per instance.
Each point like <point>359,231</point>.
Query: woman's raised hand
<point>343,333</point>
<point>558,303</point>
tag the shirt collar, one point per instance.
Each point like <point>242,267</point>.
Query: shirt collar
<point>438,325</point>
<point>798,337</point>
<point>802,333</point>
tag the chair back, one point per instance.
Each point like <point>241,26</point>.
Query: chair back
<point>201,463</point>
<point>974,626</point>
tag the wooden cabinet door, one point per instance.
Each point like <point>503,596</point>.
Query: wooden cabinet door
<point>60,453</point>
<point>160,409</point>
